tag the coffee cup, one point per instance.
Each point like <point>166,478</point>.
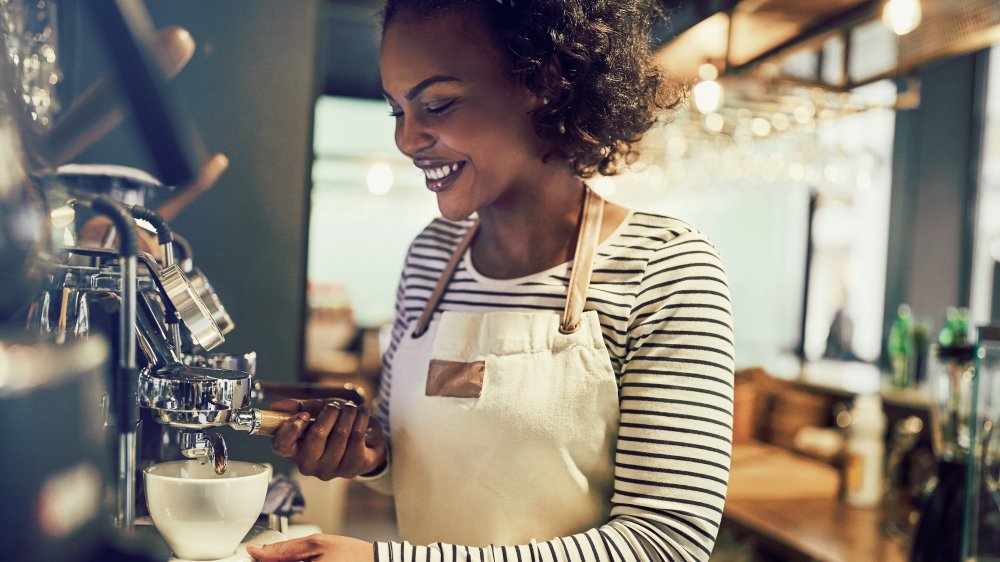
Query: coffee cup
<point>203,515</point>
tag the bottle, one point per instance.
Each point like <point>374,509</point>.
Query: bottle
<point>865,452</point>
<point>955,332</point>
<point>900,347</point>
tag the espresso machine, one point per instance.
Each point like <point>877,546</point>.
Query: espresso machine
<point>167,324</point>
<point>159,314</point>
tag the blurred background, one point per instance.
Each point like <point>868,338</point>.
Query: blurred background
<point>843,156</point>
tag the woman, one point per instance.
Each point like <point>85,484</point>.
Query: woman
<point>559,382</point>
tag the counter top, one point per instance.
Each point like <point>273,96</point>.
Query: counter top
<point>790,503</point>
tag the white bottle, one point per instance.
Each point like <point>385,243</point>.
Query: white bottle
<point>865,452</point>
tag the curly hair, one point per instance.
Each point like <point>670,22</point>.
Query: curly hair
<point>589,59</point>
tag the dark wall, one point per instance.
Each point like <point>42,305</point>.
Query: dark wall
<point>935,174</point>
<point>250,89</point>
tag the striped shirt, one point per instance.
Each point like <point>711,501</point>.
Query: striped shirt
<point>661,295</point>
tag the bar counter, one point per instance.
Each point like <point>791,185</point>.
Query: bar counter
<point>787,504</point>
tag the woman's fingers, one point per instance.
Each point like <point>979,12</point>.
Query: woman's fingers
<point>336,443</point>
<point>324,441</point>
<point>288,405</point>
<point>353,461</point>
<point>374,436</point>
<point>285,442</point>
<point>289,551</point>
<point>332,445</point>
<point>314,405</point>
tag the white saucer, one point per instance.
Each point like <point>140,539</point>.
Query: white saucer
<point>256,536</point>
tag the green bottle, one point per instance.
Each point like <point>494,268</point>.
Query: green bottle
<point>900,348</point>
<point>955,332</point>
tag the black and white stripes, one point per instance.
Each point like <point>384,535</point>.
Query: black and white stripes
<point>660,292</point>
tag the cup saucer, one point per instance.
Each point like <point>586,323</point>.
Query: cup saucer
<point>256,536</point>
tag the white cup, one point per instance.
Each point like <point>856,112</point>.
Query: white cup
<point>203,515</point>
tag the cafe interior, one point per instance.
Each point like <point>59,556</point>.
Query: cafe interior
<point>842,155</point>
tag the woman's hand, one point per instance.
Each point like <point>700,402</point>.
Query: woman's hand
<point>315,548</point>
<point>343,441</point>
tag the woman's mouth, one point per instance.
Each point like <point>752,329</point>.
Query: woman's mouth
<point>441,177</point>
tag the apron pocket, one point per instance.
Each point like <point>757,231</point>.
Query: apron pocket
<point>455,379</point>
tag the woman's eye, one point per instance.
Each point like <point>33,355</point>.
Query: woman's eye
<point>438,108</point>
<point>393,113</point>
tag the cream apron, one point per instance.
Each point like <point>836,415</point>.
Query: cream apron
<point>503,423</point>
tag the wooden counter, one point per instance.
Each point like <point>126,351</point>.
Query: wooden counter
<point>788,504</point>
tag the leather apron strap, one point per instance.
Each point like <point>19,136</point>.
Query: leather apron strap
<point>446,274</point>
<point>583,263</point>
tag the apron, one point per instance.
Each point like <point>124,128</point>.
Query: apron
<point>503,423</point>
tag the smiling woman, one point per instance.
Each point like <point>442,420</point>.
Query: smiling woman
<point>559,380</point>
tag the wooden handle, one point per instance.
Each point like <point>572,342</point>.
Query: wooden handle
<point>209,174</point>
<point>99,109</point>
<point>271,420</point>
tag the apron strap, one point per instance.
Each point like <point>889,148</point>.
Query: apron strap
<point>446,274</point>
<point>583,263</point>
<point>588,238</point>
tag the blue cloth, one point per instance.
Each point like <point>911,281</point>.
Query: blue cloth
<point>283,497</point>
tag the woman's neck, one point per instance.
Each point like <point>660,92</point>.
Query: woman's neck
<point>530,228</point>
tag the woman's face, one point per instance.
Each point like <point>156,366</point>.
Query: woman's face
<point>459,115</point>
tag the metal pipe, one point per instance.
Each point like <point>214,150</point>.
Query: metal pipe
<point>126,380</point>
<point>126,480</point>
<point>152,337</point>
<point>175,327</point>
<point>165,236</point>
<point>128,438</point>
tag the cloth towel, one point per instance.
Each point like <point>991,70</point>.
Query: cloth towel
<point>283,497</point>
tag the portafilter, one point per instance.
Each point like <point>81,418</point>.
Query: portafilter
<point>194,399</point>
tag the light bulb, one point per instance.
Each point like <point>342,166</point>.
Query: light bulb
<point>707,96</point>
<point>902,16</point>
<point>714,122</point>
<point>708,72</point>
<point>760,126</point>
<point>379,178</point>
<point>676,146</point>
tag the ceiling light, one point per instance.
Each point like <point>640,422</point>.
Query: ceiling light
<point>676,146</point>
<point>901,16</point>
<point>714,122</point>
<point>760,127</point>
<point>707,96</point>
<point>707,72</point>
<point>379,178</point>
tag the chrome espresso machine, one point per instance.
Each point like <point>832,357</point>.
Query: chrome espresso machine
<point>67,291</point>
<point>164,318</point>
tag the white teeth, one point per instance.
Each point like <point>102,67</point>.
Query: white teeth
<point>442,172</point>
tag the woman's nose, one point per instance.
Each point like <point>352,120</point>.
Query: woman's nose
<point>412,136</point>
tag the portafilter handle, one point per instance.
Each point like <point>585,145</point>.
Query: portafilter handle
<point>267,422</point>
<point>261,422</point>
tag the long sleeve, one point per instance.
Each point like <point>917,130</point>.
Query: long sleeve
<point>674,439</point>
<point>382,482</point>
